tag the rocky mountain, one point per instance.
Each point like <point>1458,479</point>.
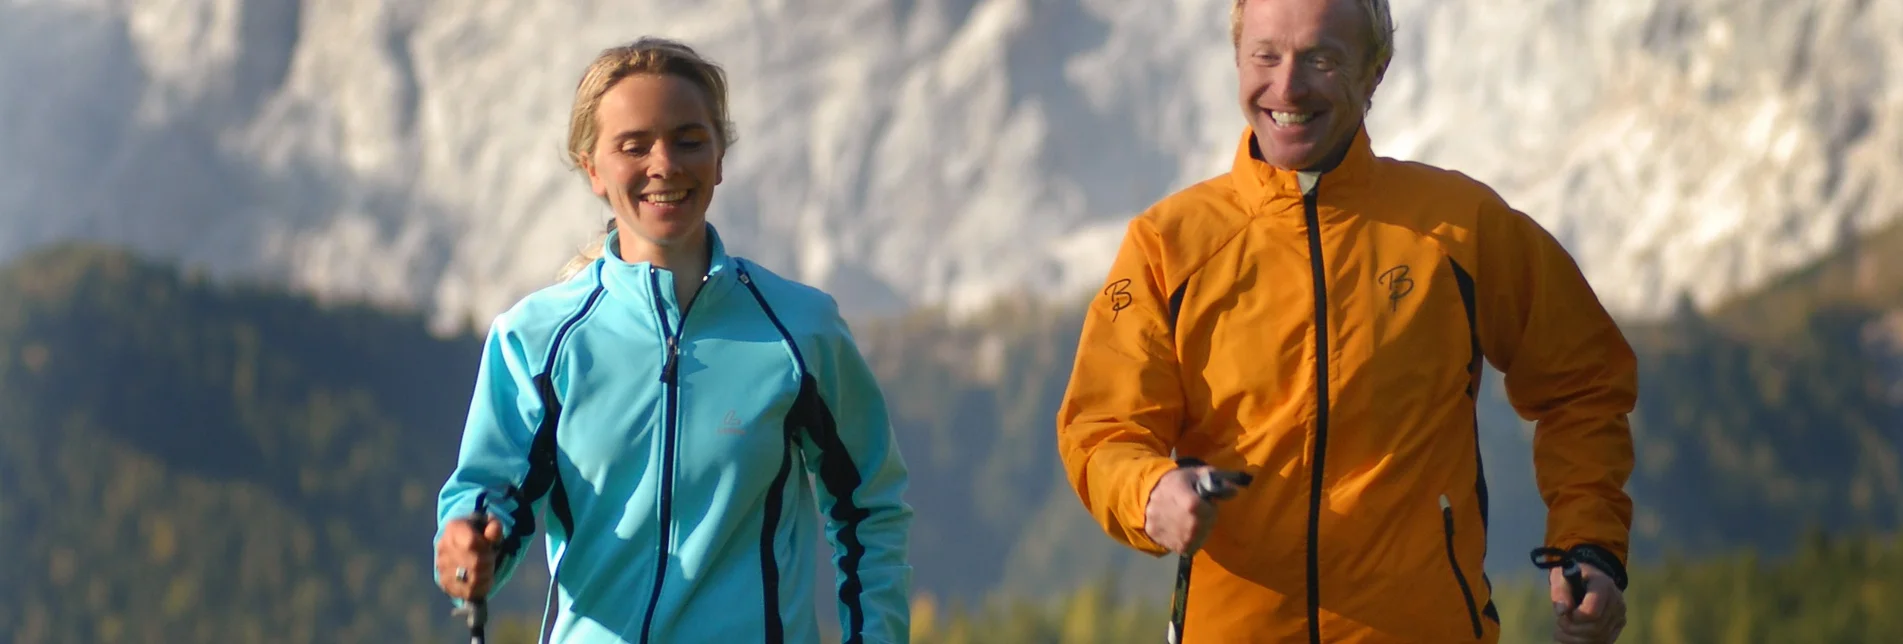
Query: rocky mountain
<point>915,152</point>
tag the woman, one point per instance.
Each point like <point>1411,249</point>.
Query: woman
<point>659,401</point>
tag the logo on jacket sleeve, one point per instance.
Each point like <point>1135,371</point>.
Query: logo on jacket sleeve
<point>1399,285</point>
<point>1120,297</point>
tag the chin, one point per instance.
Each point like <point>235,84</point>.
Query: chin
<point>1293,160</point>
<point>671,233</point>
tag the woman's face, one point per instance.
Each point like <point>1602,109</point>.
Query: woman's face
<point>656,158</point>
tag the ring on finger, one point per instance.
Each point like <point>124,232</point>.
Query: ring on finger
<point>462,575</point>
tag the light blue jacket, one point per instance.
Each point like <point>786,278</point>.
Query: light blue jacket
<point>675,486</point>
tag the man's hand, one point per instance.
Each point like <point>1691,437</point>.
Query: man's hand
<point>1598,619</point>
<point>466,556</point>
<point>1176,517</point>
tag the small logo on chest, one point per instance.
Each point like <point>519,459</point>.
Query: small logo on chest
<point>730,424</point>
<point>1399,285</point>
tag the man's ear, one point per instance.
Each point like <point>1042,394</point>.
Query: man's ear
<point>1374,83</point>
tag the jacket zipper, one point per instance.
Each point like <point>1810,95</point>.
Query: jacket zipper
<point>1318,268</point>
<point>1466,592</point>
<point>670,380</point>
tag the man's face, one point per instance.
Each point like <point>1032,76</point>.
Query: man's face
<point>1305,77</point>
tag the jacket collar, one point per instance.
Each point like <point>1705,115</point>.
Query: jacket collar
<point>1261,184</point>
<point>637,279</point>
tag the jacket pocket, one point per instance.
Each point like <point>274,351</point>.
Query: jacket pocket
<point>1466,591</point>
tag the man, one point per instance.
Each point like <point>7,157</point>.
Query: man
<point>1317,317</point>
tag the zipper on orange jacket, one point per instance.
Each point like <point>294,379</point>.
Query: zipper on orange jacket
<point>1466,591</point>
<point>1318,268</point>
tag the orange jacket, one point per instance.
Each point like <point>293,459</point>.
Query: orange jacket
<point>1204,341</point>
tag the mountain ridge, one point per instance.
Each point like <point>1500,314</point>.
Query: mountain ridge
<point>930,153</point>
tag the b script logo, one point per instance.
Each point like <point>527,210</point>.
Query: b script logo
<point>1399,285</point>
<point>1120,298</point>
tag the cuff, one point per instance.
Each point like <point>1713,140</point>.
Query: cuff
<point>1140,537</point>
<point>1602,559</point>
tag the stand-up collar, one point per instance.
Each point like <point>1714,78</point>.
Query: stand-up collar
<point>1262,184</point>
<point>636,279</point>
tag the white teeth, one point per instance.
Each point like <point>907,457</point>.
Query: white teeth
<point>665,197</point>
<point>1291,118</point>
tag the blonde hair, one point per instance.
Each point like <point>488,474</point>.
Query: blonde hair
<point>649,55</point>
<point>1380,27</point>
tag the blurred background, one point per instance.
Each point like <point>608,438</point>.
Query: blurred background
<point>248,247</point>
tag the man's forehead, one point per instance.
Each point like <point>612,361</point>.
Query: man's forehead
<point>1301,23</point>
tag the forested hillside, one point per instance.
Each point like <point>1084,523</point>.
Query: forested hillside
<point>190,463</point>
<point>184,461</point>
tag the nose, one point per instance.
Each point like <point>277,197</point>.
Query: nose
<point>1289,82</point>
<point>661,163</point>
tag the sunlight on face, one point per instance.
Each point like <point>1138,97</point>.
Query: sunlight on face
<point>657,158</point>
<point>1304,78</point>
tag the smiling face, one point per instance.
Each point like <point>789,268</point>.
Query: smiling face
<point>1306,74</point>
<point>656,158</point>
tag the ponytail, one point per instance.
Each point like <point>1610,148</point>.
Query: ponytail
<point>588,253</point>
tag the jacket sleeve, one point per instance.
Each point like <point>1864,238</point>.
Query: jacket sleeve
<point>1570,370</point>
<point>493,460</point>
<point>1122,410</point>
<point>849,447</point>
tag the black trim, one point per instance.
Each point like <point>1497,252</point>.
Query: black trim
<point>1319,270</point>
<point>1466,591</point>
<point>1176,304</point>
<point>1602,559</point>
<point>769,528</point>
<point>841,478</point>
<point>1468,300</point>
<point>836,471</point>
<point>747,280</point>
<point>670,435</point>
<point>543,478</point>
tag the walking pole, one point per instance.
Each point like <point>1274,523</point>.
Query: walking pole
<point>475,611</point>
<point>1547,558</point>
<point>1211,486</point>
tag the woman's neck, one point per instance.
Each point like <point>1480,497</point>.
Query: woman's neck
<point>686,258</point>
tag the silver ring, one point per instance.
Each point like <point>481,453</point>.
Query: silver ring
<point>462,575</point>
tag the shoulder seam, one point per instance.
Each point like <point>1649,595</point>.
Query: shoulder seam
<point>1191,268</point>
<point>570,322</point>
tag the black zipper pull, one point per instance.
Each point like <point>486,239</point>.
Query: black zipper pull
<point>673,360</point>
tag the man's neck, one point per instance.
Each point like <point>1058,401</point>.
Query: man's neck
<point>1310,176</point>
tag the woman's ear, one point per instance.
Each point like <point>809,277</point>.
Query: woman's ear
<point>587,163</point>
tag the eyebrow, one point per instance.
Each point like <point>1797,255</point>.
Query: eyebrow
<point>1327,44</point>
<point>629,134</point>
